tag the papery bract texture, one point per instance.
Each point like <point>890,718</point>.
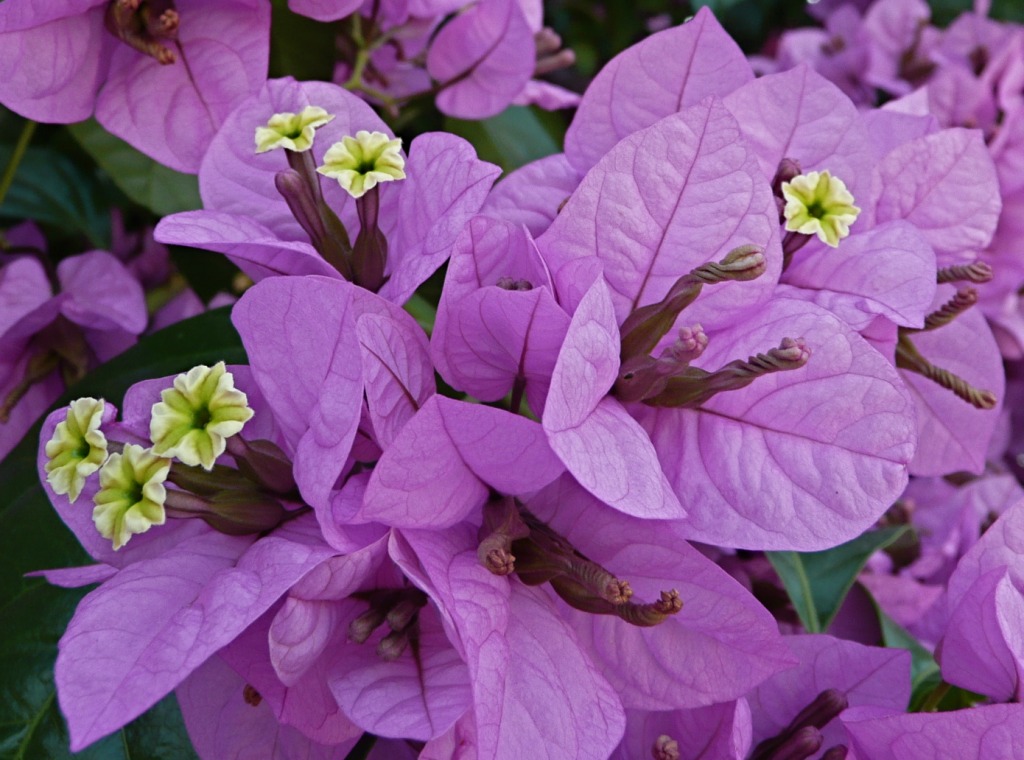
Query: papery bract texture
<point>664,201</point>
<point>719,646</point>
<point>442,464</point>
<point>823,449</point>
<point>976,733</point>
<point>223,722</point>
<point>483,57</point>
<point>665,73</point>
<point>599,443</point>
<point>311,378</point>
<point>801,116</point>
<point>866,676</point>
<point>186,604</point>
<point>945,185</point>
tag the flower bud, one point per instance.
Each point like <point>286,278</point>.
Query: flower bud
<point>241,513</point>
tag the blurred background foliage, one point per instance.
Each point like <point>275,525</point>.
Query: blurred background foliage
<point>79,182</point>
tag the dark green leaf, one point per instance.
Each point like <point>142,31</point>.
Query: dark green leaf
<point>148,183</point>
<point>32,537</point>
<point>299,46</point>
<point>817,582</point>
<point>48,187</point>
<point>514,137</point>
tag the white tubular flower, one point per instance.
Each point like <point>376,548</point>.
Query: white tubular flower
<point>77,448</point>
<point>360,162</point>
<point>292,131</point>
<point>198,415</point>
<point>819,204</point>
<point>131,496</point>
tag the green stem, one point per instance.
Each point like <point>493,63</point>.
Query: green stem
<point>19,153</point>
<point>931,704</point>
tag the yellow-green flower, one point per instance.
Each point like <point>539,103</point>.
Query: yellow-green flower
<point>819,204</point>
<point>360,162</point>
<point>293,131</point>
<point>77,448</point>
<point>198,415</point>
<point>131,496</point>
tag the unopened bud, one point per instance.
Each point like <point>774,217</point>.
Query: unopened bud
<point>241,513</point>
<point>909,358</point>
<point>788,170</point>
<point>665,748</point>
<point>688,346</point>
<point>961,301</point>
<point>145,26</point>
<point>393,645</point>
<point>839,752</point>
<point>822,709</point>
<point>645,327</point>
<point>800,746</point>
<point>509,283</point>
<point>360,629</point>
<point>404,613</point>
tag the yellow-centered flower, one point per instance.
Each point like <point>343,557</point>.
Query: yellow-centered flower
<point>197,416</point>
<point>819,204</point>
<point>293,131</point>
<point>77,448</point>
<point>131,496</point>
<point>360,162</point>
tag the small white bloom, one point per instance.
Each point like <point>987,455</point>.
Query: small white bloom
<point>292,131</point>
<point>360,162</point>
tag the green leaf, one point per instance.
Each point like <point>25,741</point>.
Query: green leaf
<point>924,671</point>
<point>817,582</point>
<point>301,47</point>
<point>163,191</point>
<point>511,139</point>
<point>49,188</point>
<point>32,537</point>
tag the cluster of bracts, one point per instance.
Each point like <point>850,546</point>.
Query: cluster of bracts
<point>760,313</point>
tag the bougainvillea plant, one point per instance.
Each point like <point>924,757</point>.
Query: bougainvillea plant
<point>352,405</point>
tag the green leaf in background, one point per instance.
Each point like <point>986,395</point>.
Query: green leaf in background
<point>516,136</point>
<point>817,582</point>
<point>49,188</point>
<point>924,671</point>
<point>163,191</point>
<point>32,537</point>
<point>299,46</point>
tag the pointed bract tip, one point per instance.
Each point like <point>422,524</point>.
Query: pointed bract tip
<point>77,448</point>
<point>291,131</point>
<point>359,163</point>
